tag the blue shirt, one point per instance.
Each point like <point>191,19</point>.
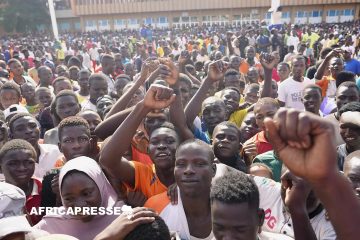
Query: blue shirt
<point>198,134</point>
<point>353,66</point>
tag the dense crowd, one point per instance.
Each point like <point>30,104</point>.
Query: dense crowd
<point>248,132</point>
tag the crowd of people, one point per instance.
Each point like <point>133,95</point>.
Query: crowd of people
<point>248,132</point>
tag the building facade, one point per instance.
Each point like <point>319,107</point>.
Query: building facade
<point>89,15</point>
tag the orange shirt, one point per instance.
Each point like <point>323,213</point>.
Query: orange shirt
<point>158,202</point>
<point>140,157</point>
<point>244,66</point>
<point>146,180</point>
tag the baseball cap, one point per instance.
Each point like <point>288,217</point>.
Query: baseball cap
<point>12,217</point>
<point>13,109</point>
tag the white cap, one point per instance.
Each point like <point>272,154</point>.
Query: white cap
<point>12,203</point>
<point>13,109</point>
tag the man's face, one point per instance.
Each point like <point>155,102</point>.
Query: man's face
<point>283,71</point>
<point>108,65</point>
<point>214,112</point>
<point>16,68</point>
<point>345,95</point>
<point>185,93</point>
<point>226,142</point>
<point>45,76</point>
<point>44,97</point>
<point>67,106</point>
<point>237,221</point>
<point>235,62</point>
<point>232,81</point>
<point>312,100</point>
<point>62,85</point>
<point>84,80</point>
<point>18,166</point>
<point>352,172</point>
<point>9,97</point>
<point>251,95</point>
<point>336,66</point>
<point>248,127</point>
<point>92,119</point>
<point>98,89</point>
<point>253,75</point>
<point>102,105</point>
<point>231,99</point>
<point>263,111</point>
<point>74,142</point>
<point>162,147</point>
<point>153,120</point>
<point>298,68</point>
<point>28,91</point>
<point>26,128</point>
<point>194,170</point>
<point>250,53</point>
<point>74,74</point>
<point>350,129</point>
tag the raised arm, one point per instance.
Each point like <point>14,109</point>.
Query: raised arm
<point>121,104</point>
<point>229,43</point>
<point>268,63</point>
<point>177,115</point>
<point>325,64</point>
<point>107,127</point>
<point>111,159</point>
<point>305,143</point>
<point>215,73</point>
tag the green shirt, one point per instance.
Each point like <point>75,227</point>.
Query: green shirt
<point>270,159</point>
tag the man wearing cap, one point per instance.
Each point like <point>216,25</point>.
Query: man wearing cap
<point>351,64</point>
<point>33,72</point>
<point>12,218</point>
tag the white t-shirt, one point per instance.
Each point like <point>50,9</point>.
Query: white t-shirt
<point>87,105</point>
<point>290,92</point>
<point>49,154</point>
<point>277,220</point>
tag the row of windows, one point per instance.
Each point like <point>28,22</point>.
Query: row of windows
<point>85,2</point>
<point>304,14</point>
<point>123,22</point>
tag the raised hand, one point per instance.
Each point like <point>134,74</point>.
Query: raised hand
<point>217,70</point>
<point>159,97</point>
<point>267,61</point>
<point>169,71</point>
<point>304,142</point>
<point>337,52</point>
<point>297,191</point>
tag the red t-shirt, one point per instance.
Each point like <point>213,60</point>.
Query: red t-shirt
<point>261,142</point>
<point>34,200</point>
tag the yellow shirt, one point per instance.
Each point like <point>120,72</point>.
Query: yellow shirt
<point>237,117</point>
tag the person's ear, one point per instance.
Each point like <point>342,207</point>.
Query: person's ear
<point>261,217</point>
<point>213,169</point>
<point>59,145</point>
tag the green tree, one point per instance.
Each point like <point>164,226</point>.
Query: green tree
<point>23,15</point>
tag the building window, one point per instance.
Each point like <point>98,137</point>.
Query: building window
<point>119,22</point>
<point>148,21</point>
<point>133,21</point>
<point>163,20</point>
<point>316,13</point>
<point>90,23</point>
<point>285,15</point>
<point>300,14</point>
<point>348,12</point>
<point>103,23</point>
<point>333,13</point>
<point>268,15</point>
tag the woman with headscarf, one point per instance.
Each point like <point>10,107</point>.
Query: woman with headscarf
<point>82,184</point>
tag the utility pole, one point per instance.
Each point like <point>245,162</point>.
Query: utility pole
<point>53,19</point>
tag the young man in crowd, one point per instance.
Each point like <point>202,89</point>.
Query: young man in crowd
<point>10,94</point>
<point>352,170</point>
<point>28,92</point>
<point>98,87</point>
<point>194,170</point>
<point>349,131</point>
<point>290,91</point>
<point>311,98</point>
<point>24,126</point>
<point>347,92</point>
<point>17,70</point>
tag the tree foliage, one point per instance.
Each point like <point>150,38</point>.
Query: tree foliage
<point>23,15</point>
